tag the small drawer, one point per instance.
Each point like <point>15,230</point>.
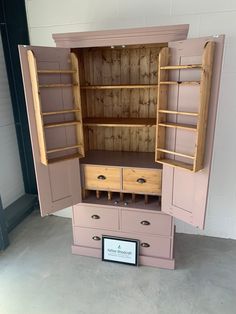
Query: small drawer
<point>100,177</point>
<point>87,237</point>
<point>155,246</point>
<point>142,180</point>
<point>149,246</point>
<point>149,223</point>
<point>96,217</point>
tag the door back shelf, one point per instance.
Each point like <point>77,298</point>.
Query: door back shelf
<point>169,123</point>
<point>68,119</point>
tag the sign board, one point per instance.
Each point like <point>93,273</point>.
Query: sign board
<point>120,250</point>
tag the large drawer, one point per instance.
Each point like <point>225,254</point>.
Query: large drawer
<point>149,245</point>
<point>144,222</point>
<point>142,180</point>
<point>96,217</point>
<point>102,178</point>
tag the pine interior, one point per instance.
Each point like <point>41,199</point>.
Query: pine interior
<point>114,66</point>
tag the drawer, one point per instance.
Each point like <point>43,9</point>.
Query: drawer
<point>149,245</point>
<point>155,246</point>
<point>149,223</point>
<point>96,217</point>
<point>100,177</point>
<point>142,180</point>
<point>88,237</point>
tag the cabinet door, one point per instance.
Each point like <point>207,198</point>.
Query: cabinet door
<point>58,183</point>
<point>184,193</point>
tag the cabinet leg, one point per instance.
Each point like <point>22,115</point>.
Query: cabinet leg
<point>121,196</point>
<point>146,199</point>
<point>133,197</point>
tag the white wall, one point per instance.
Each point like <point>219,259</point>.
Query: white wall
<point>11,181</point>
<point>205,18</point>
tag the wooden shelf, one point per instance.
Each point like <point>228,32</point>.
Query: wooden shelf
<point>174,153</point>
<point>179,126</point>
<point>176,163</point>
<point>60,149</point>
<point>120,86</point>
<point>56,71</point>
<point>59,124</point>
<point>120,122</point>
<point>184,113</point>
<point>60,112</point>
<point>63,158</point>
<point>180,83</point>
<point>181,67</point>
<point>56,85</point>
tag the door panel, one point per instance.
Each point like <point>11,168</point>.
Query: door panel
<point>184,194</point>
<point>58,183</point>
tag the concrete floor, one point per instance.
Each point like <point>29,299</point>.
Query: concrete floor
<point>39,275</point>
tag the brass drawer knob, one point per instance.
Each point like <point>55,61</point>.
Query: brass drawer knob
<point>141,180</point>
<point>145,223</point>
<point>95,217</point>
<point>101,177</point>
<point>145,244</point>
<point>96,238</point>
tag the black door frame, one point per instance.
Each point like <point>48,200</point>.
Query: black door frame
<point>14,31</point>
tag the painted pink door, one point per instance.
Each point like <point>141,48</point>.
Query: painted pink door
<point>58,183</point>
<point>184,194</point>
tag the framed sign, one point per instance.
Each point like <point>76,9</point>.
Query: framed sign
<point>120,250</point>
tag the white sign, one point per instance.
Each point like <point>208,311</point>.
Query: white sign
<point>120,250</point>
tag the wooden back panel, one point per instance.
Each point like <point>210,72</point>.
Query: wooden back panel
<point>113,66</point>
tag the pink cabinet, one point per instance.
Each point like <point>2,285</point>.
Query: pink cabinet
<point>108,115</point>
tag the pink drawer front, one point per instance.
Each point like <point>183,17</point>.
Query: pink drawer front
<point>150,223</point>
<point>88,237</point>
<point>149,245</point>
<point>155,246</point>
<point>96,217</point>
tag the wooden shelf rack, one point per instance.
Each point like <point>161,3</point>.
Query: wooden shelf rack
<point>47,154</point>
<point>194,161</point>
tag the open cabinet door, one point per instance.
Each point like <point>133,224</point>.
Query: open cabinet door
<point>58,182</point>
<point>184,193</point>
